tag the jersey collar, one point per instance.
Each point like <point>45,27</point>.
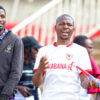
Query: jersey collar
<point>55,44</point>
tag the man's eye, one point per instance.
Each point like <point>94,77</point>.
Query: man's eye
<point>61,23</point>
<point>69,24</point>
<point>90,47</point>
<point>2,16</point>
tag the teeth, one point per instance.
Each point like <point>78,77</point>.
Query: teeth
<point>1,25</point>
<point>65,31</point>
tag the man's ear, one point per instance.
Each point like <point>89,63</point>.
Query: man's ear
<point>55,27</point>
<point>74,29</point>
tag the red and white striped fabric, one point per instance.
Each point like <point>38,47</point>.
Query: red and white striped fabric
<point>43,35</point>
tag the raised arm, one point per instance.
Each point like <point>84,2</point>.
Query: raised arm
<point>38,76</point>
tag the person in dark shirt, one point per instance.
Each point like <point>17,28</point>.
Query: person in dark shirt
<point>25,85</point>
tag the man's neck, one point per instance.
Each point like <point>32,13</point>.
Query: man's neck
<point>63,42</point>
<point>1,32</point>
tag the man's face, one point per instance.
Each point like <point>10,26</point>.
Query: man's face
<point>89,46</point>
<point>64,27</point>
<point>2,19</point>
<point>34,52</point>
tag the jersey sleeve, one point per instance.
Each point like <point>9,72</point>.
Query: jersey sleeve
<point>84,62</point>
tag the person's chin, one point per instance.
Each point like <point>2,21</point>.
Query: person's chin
<point>65,38</point>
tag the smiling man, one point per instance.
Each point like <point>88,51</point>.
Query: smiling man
<point>11,59</point>
<point>56,63</point>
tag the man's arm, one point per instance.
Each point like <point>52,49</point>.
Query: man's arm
<point>38,76</point>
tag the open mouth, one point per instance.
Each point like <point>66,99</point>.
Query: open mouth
<point>65,33</point>
<point>1,25</point>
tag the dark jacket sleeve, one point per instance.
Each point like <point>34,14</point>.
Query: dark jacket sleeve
<point>16,68</point>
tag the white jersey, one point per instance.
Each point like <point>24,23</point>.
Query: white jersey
<point>62,77</point>
<point>84,95</point>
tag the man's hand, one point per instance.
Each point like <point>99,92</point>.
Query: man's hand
<point>38,76</point>
<point>23,91</point>
<point>93,84</point>
<point>43,64</point>
<point>86,82</point>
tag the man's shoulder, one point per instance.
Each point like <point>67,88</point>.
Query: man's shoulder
<point>78,46</point>
<point>13,35</point>
<point>47,47</point>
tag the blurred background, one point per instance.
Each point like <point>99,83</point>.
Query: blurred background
<point>37,18</point>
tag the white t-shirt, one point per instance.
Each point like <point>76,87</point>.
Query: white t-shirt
<point>61,79</point>
<point>84,95</point>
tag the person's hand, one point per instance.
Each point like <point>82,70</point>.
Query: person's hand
<point>43,64</point>
<point>86,82</point>
<point>23,91</point>
<point>93,84</point>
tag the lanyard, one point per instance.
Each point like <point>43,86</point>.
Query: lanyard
<point>3,35</point>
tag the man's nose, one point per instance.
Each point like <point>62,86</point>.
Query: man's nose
<point>0,19</point>
<point>65,26</point>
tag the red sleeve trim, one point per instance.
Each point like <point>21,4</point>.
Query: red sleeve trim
<point>55,44</point>
<point>69,44</point>
<point>99,90</point>
<point>36,70</point>
<point>88,70</point>
<point>43,72</point>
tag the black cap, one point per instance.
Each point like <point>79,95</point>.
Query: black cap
<point>30,42</point>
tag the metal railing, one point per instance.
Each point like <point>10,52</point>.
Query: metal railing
<point>41,24</point>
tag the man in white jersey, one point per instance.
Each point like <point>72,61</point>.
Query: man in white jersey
<point>55,64</point>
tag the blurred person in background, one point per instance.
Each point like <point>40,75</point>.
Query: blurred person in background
<point>87,43</point>
<point>25,86</point>
<point>11,59</point>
